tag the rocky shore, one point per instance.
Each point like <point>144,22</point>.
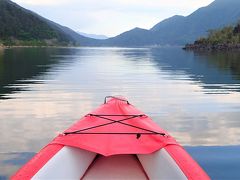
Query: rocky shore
<point>212,47</point>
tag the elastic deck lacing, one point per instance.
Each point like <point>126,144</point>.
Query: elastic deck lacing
<point>105,116</point>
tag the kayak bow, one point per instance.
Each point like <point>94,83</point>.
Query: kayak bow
<point>115,141</point>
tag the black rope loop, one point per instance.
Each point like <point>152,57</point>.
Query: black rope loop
<point>114,97</point>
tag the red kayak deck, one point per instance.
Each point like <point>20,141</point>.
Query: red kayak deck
<point>115,128</point>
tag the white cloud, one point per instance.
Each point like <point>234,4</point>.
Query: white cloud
<point>41,2</point>
<point>116,4</point>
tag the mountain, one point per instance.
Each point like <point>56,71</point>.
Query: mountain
<point>179,30</point>
<point>93,36</point>
<point>216,15</point>
<point>168,23</point>
<point>19,26</point>
<point>76,37</point>
<point>134,37</point>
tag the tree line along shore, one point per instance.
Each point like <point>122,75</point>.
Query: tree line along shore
<point>227,38</point>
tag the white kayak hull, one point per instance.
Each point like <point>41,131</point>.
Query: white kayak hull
<point>74,163</point>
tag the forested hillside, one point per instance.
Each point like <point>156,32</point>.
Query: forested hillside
<point>226,38</point>
<point>19,26</point>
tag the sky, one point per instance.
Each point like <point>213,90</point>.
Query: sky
<point>110,17</point>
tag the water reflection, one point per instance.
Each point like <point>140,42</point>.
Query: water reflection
<point>225,61</point>
<point>11,161</point>
<point>20,67</point>
<point>199,119</point>
<point>216,72</point>
<point>167,83</point>
<point>193,96</point>
<point>220,162</point>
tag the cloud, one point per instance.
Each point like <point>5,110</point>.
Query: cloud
<point>119,4</point>
<point>41,2</point>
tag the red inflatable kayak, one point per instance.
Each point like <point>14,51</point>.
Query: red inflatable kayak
<point>115,141</point>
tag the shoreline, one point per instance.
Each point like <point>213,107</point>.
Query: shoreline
<point>212,47</point>
<point>22,46</point>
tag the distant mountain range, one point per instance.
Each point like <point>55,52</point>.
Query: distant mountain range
<point>93,36</point>
<point>179,30</point>
<point>19,24</point>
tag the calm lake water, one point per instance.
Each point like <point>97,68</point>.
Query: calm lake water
<point>194,96</point>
